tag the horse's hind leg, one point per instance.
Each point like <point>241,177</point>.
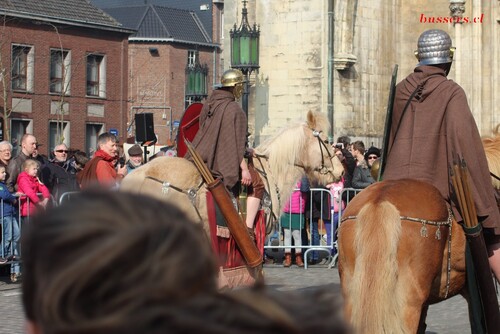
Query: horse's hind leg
<point>421,324</point>
<point>415,306</point>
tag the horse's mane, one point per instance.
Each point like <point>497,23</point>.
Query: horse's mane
<point>492,149</point>
<point>288,144</point>
<point>282,150</point>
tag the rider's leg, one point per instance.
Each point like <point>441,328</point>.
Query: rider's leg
<point>255,194</point>
<point>253,204</point>
<point>494,259</point>
<point>492,242</point>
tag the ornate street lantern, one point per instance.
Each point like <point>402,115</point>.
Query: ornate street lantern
<point>245,44</point>
<point>245,50</point>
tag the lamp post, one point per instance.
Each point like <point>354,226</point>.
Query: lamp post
<point>245,51</point>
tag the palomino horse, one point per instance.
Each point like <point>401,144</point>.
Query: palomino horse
<point>296,150</point>
<point>396,242</point>
<point>492,149</point>
<point>393,255</point>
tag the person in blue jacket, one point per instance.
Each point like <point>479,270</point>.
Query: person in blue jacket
<point>10,228</point>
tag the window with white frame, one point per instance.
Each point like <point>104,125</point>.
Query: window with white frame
<point>60,71</point>
<point>188,101</point>
<point>92,132</point>
<point>96,75</point>
<point>22,67</point>
<point>18,127</point>
<point>58,133</point>
<point>222,24</point>
<point>192,54</point>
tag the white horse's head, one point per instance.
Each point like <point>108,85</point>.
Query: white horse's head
<point>321,164</point>
<point>303,145</point>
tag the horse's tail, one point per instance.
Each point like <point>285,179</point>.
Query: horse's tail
<point>377,297</point>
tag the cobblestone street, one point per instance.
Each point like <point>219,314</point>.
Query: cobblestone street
<point>450,316</point>
<point>12,319</point>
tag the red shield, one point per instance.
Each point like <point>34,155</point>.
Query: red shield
<point>188,127</point>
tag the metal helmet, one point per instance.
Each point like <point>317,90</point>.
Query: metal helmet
<point>374,170</point>
<point>231,78</point>
<point>434,47</point>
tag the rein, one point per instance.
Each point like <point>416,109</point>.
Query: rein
<point>423,233</point>
<point>263,174</point>
<point>191,193</point>
<point>495,176</point>
<point>322,169</point>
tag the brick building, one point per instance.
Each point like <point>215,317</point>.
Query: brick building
<point>65,65</point>
<point>170,43</point>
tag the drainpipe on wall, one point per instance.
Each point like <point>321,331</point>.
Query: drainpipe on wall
<point>214,79</point>
<point>122,66</point>
<point>331,68</point>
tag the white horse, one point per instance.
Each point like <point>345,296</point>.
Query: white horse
<point>282,160</point>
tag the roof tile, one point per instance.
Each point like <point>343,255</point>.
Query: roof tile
<point>70,10</point>
<point>162,23</point>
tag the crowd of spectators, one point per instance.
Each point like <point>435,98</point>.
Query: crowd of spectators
<point>324,204</point>
<point>33,181</point>
<point>30,182</point>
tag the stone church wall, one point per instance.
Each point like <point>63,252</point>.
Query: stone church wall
<point>369,38</point>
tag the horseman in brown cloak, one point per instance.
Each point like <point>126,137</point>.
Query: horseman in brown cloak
<point>432,126</point>
<point>221,139</point>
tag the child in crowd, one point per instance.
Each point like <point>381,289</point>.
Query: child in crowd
<point>337,203</point>
<point>10,228</point>
<point>30,185</point>
<point>292,222</point>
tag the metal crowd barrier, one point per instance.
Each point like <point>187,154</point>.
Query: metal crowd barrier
<point>323,244</point>
<point>347,194</point>
<point>13,255</point>
<point>274,241</point>
<point>67,196</point>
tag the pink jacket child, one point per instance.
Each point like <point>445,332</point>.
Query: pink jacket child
<point>335,189</point>
<point>29,184</point>
<point>297,202</point>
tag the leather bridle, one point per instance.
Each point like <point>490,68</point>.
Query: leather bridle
<point>323,169</point>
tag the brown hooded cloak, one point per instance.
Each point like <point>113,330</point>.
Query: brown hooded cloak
<point>221,140</point>
<point>436,129</point>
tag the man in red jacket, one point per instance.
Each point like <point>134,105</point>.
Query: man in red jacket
<point>101,169</point>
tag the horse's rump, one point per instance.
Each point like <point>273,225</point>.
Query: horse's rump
<point>176,180</point>
<point>170,179</point>
<point>389,262</point>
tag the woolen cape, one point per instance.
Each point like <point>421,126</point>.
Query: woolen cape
<point>221,139</point>
<point>98,171</point>
<point>436,129</point>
